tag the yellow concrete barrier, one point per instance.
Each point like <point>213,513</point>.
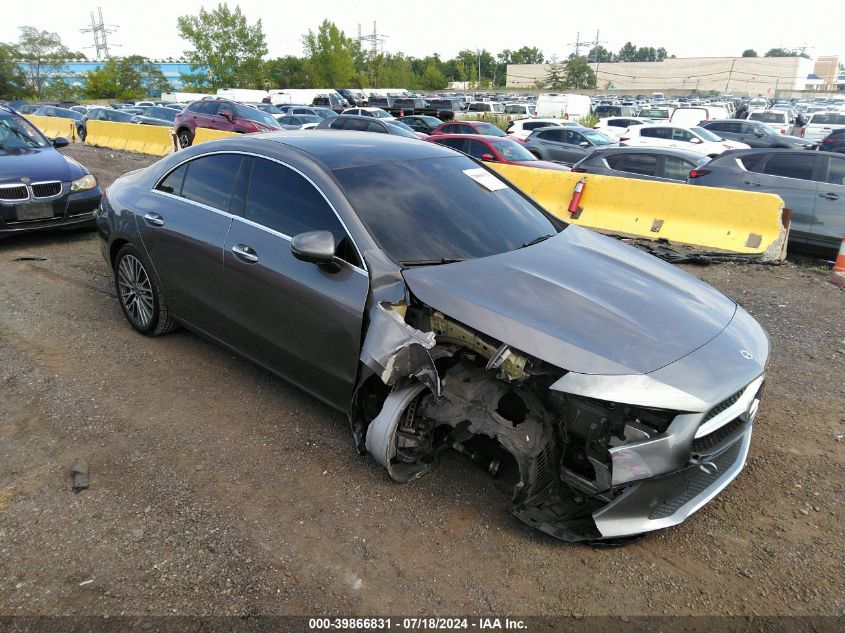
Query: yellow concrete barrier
<point>719,220</point>
<point>131,137</point>
<point>204,134</point>
<point>53,126</point>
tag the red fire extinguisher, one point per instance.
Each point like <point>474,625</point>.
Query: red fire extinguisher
<point>575,204</point>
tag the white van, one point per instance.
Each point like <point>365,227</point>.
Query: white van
<point>244,95</point>
<point>689,117</point>
<point>555,105</point>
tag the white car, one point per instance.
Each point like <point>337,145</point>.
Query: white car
<point>520,129</point>
<point>376,113</point>
<point>693,139</point>
<point>524,109</point>
<point>820,124</point>
<point>614,127</point>
<point>778,120</point>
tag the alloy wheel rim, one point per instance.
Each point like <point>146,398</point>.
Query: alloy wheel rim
<point>184,139</point>
<point>136,292</point>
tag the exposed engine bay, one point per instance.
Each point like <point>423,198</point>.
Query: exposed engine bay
<point>444,385</point>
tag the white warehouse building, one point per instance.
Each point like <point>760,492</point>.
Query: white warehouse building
<point>732,75</point>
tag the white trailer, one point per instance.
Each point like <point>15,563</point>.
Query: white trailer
<point>555,105</point>
<point>183,97</point>
<point>244,95</point>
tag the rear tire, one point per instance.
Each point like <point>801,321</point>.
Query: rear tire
<point>139,293</point>
<point>185,138</point>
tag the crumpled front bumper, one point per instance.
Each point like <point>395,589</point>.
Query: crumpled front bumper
<point>666,500</point>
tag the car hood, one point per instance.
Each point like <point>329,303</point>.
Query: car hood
<point>580,301</point>
<point>36,164</point>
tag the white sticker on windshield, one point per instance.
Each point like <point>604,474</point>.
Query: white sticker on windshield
<point>485,179</point>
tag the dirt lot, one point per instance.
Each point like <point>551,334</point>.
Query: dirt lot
<point>216,488</point>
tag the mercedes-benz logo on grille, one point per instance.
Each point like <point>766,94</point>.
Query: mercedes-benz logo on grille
<point>746,354</point>
<point>24,179</point>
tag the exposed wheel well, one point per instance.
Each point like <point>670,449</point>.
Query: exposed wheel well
<point>114,248</point>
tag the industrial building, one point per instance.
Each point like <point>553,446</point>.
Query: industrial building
<point>767,76</point>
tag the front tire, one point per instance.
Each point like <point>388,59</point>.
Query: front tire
<point>185,138</point>
<point>139,293</point>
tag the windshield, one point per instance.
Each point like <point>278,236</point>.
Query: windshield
<point>654,113</point>
<point>768,117</point>
<point>402,129</point>
<point>596,138</point>
<point>828,119</point>
<point>168,114</point>
<point>269,109</point>
<point>325,113</point>
<point>513,151</point>
<point>380,114</point>
<point>18,133</point>
<point>441,209</point>
<point>707,135</point>
<point>252,114</point>
<point>489,129</point>
<point>308,118</point>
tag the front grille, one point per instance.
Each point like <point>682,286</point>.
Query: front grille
<point>16,192</point>
<point>712,440</point>
<point>46,189</point>
<point>724,405</point>
<point>698,482</point>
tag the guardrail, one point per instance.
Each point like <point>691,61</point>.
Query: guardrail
<point>710,219</point>
<point>147,139</point>
<point>53,126</point>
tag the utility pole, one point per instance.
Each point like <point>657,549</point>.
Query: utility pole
<point>730,74</point>
<point>598,59</point>
<point>479,68</point>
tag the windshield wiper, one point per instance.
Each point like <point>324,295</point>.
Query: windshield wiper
<point>429,262</point>
<point>536,240</point>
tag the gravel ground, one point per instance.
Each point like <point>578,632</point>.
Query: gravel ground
<point>218,489</point>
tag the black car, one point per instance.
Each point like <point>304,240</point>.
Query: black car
<point>157,115</point>
<point>419,123</point>
<point>812,184</point>
<point>753,134</point>
<point>409,287</point>
<point>102,114</point>
<point>663,164</point>
<point>834,142</point>
<point>40,188</point>
<point>366,124</point>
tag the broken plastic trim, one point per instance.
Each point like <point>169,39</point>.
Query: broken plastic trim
<point>394,350</point>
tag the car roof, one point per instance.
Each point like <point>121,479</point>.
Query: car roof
<point>473,137</point>
<point>668,151</point>
<point>339,149</point>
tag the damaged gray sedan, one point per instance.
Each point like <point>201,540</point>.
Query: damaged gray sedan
<point>442,309</point>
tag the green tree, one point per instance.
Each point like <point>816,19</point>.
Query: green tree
<point>288,72</point>
<point>433,78</point>
<point>133,77</point>
<point>599,54</point>
<point>785,52</point>
<point>227,51</point>
<point>749,52</point>
<point>12,77</point>
<point>42,55</point>
<point>578,74</point>
<point>331,56</point>
<point>554,79</point>
<point>627,53</point>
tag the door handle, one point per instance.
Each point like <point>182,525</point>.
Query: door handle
<point>751,182</point>
<point>245,253</point>
<point>154,219</point>
<point>829,196</point>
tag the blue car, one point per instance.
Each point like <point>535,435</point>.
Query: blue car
<point>41,188</point>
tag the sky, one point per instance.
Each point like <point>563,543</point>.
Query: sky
<point>686,29</point>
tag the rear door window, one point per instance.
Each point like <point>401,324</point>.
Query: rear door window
<point>677,168</point>
<point>789,165</point>
<point>210,180</point>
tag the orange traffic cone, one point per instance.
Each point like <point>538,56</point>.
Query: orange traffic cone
<point>838,277</point>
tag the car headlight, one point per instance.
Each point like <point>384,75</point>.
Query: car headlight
<point>83,184</point>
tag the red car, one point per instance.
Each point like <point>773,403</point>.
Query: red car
<point>468,127</point>
<point>220,114</point>
<point>494,149</point>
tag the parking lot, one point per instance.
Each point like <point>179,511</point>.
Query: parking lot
<point>217,488</point>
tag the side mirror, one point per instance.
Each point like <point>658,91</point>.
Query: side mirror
<point>695,140</point>
<point>488,158</point>
<point>315,247</point>
<point>227,114</point>
<point>758,133</point>
<point>584,144</point>
<point>60,141</point>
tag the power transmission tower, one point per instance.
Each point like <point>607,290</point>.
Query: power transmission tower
<point>100,32</point>
<point>577,43</point>
<point>375,40</point>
